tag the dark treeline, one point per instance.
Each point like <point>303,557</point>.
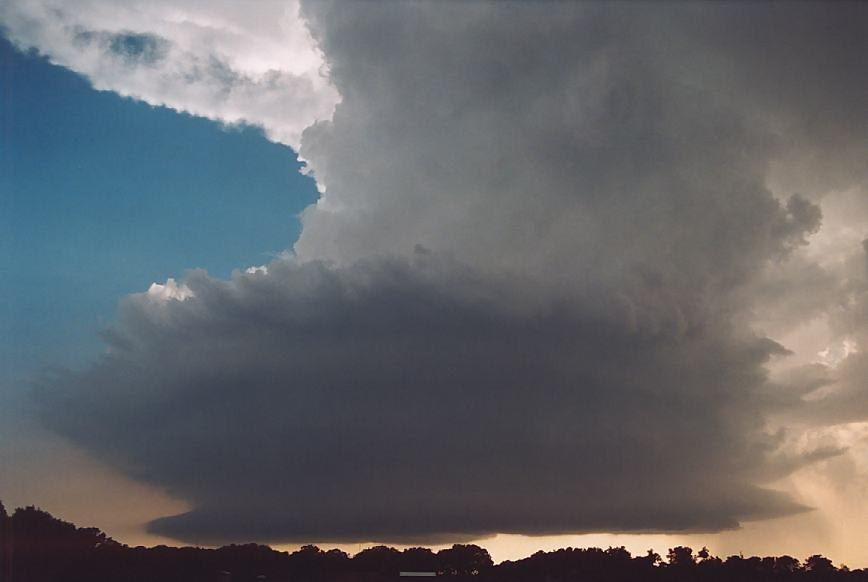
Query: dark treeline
<point>36,547</point>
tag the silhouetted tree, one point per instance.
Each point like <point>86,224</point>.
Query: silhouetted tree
<point>5,545</point>
<point>464,559</point>
<point>820,567</point>
<point>381,559</point>
<point>786,565</point>
<point>51,550</point>
<point>652,557</point>
<point>418,560</point>
<point>680,556</point>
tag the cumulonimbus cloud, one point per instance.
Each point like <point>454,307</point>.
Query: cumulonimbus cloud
<point>413,400</point>
<point>521,304</point>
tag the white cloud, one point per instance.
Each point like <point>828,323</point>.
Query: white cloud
<point>234,62</point>
<point>170,291</point>
<point>257,269</point>
<point>835,354</point>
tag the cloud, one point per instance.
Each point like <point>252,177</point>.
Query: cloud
<point>412,400</point>
<point>171,290</point>
<point>227,61</point>
<point>527,299</point>
<point>841,395</point>
<point>592,166</point>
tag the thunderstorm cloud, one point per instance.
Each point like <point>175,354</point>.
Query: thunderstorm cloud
<point>529,297</point>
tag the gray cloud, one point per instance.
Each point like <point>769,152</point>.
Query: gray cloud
<point>522,302</point>
<point>567,142</point>
<point>404,401</point>
<point>841,392</point>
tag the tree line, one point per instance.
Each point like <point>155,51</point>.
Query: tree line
<point>37,547</point>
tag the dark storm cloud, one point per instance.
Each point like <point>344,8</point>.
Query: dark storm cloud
<point>797,67</point>
<point>566,142</point>
<point>584,186</point>
<point>398,401</point>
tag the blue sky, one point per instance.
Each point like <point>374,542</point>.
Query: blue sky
<point>100,196</point>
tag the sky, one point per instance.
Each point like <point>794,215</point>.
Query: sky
<point>527,274</point>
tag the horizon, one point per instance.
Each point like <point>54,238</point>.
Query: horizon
<point>522,275</point>
<point>661,558</point>
<point>36,546</point>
